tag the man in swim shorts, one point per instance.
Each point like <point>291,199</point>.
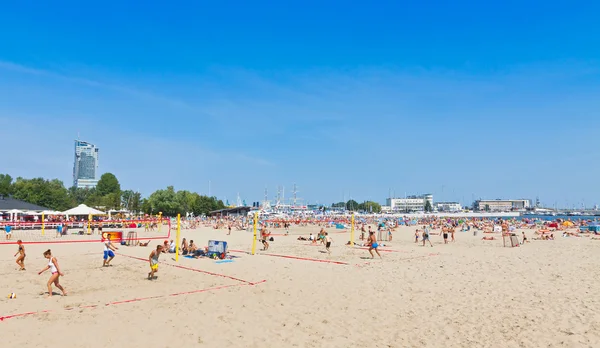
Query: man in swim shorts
<point>153,258</point>
<point>328,241</point>
<point>108,251</point>
<point>373,245</point>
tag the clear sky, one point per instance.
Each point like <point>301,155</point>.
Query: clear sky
<point>346,99</point>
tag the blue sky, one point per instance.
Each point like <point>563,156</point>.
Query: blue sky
<point>462,100</point>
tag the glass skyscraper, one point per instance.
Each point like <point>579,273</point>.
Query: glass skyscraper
<point>86,165</point>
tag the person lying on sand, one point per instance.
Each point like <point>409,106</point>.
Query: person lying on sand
<point>144,244</point>
<point>488,238</point>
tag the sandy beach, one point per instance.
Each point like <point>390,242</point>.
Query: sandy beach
<point>471,293</point>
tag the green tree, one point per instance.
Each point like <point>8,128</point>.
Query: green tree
<point>487,207</point>
<point>338,205</point>
<point>47,193</point>
<point>352,205</point>
<point>131,200</point>
<point>108,184</point>
<point>428,207</point>
<point>171,203</point>
<point>6,184</point>
<point>370,207</point>
<point>165,201</point>
<point>80,195</point>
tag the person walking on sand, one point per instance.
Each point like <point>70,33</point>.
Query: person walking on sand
<point>328,241</point>
<point>153,259</point>
<point>56,273</point>
<point>426,237</point>
<point>445,233</point>
<point>265,237</point>
<point>417,235</point>
<point>452,230</point>
<point>21,252</point>
<point>108,251</point>
<point>373,245</point>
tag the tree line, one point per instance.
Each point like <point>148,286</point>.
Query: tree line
<point>107,195</point>
<point>352,205</point>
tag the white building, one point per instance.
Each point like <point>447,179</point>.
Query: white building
<point>502,205</point>
<point>448,206</point>
<point>410,203</point>
<point>86,165</point>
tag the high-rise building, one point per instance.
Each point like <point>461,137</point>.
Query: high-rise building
<point>86,165</point>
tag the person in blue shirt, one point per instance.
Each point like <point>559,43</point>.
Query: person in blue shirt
<point>8,231</point>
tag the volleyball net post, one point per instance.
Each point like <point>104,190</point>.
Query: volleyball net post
<point>159,220</point>
<point>43,226</point>
<point>352,230</point>
<point>89,229</point>
<point>254,223</point>
<point>177,237</point>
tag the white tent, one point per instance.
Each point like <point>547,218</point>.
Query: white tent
<point>13,214</point>
<point>83,209</point>
<point>51,212</point>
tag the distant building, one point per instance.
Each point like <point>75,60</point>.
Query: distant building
<point>447,206</point>
<point>410,203</point>
<point>86,165</point>
<point>501,205</point>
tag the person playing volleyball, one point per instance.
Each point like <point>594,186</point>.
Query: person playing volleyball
<point>153,258</point>
<point>21,252</point>
<point>108,251</point>
<point>56,273</point>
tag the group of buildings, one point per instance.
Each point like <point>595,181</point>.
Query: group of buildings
<point>419,203</point>
<point>85,171</point>
<point>425,203</point>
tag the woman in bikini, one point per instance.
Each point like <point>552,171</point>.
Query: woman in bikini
<point>21,252</point>
<point>56,273</point>
<point>184,247</point>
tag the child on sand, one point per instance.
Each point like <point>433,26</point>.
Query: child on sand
<point>153,258</point>
<point>524,238</point>
<point>417,235</point>
<point>21,252</point>
<point>56,273</point>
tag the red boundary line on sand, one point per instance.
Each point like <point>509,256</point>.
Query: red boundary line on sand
<point>194,269</point>
<point>2,318</point>
<point>78,241</point>
<point>295,257</point>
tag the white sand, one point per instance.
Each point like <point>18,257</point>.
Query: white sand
<point>472,293</point>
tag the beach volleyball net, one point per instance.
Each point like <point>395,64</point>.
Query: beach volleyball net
<point>131,232</point>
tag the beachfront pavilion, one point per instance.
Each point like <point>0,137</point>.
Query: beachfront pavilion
<point>238,211</point>
<point>10,208</point>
